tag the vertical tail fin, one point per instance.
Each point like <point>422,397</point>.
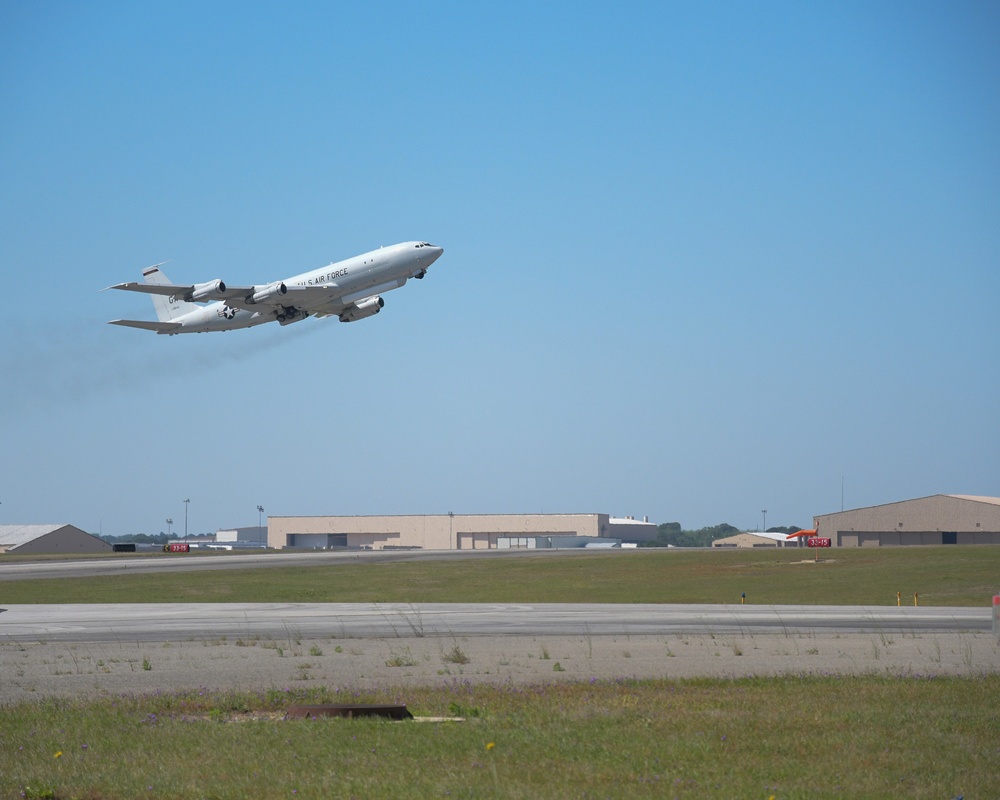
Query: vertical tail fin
<point>167,308</point>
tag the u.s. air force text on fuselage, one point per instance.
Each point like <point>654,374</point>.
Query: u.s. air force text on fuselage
<point>322,279</point>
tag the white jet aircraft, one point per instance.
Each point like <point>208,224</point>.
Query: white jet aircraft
<point>350,290</point>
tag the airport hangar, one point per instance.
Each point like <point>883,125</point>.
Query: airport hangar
<point>758,539</point>
<point>938,519</point>
<point>34,539</point>
<point>457,531</point>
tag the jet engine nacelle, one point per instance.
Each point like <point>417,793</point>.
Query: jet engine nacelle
<point>366,308</point>
<point>270,292</point>
<point>213,290</point>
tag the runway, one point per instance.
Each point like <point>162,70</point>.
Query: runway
<point>79,650</point>
<point>171,622</point>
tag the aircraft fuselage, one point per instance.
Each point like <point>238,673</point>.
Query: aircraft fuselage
<point>349,289</point>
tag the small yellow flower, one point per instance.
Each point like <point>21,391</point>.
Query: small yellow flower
<point>57,754</point>
<point>490,745</point>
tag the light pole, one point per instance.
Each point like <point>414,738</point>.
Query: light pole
<point>186,519</point>
<point>764,512</point>
<point>169,523</point>
<point>260,510</point>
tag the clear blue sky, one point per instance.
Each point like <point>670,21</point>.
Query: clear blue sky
<point>701,259</point>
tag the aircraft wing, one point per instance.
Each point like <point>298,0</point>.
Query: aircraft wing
<point>336,305</point>
<point>159,327</point>
<point>213,289</point>
<point>278,294</point>
<point>313,297</point>
<point>328,299</point>
<point>152,288</point>
<point>274,295</point>
<point>331,299</point>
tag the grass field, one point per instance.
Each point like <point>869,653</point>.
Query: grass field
<point>943,576</point>
<point>791,737</point>
<point>757,738</point>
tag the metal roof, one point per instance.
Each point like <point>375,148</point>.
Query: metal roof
<point>992,500</point>
<point>774,537</point>
<point>967,497</point>
<point>16,535</point>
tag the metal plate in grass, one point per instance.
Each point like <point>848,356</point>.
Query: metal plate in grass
<point>394,711</point>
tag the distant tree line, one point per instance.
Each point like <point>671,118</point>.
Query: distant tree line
<point>671,533</point>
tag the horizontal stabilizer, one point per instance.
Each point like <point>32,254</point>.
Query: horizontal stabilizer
<point>159,327</point>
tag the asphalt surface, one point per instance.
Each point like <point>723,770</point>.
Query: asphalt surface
<point>163,622</point>
<point>77,650</point>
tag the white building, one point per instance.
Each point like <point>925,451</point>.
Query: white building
<point>250,536</point>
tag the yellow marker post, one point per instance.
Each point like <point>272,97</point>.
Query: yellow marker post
<point>914,598</point>
<point>898,603</point>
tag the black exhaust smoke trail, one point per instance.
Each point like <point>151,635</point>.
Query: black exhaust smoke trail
<point>87,360</point>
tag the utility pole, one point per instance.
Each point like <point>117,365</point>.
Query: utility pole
<point>186,519</point>
<point>764,512</point>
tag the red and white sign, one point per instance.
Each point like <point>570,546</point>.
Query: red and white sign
<point>818,541</point>
<point>178,547</point>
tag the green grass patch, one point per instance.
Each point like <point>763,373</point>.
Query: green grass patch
<point>782,737</point>
<point>943,576</point>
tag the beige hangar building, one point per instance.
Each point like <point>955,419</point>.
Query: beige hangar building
<point>456,531</point>
<point>758,539</point>
<point>939,519</point>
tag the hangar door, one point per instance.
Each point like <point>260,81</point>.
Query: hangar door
<point>318,540</point>
<point>863,539</point>
<point>474,541</point>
